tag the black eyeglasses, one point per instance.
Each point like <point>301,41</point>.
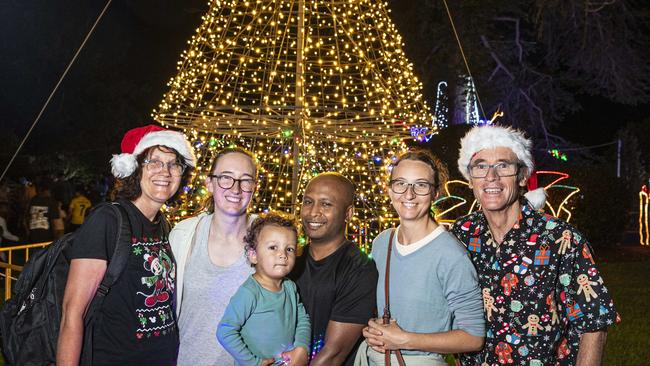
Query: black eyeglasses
<point>176,169</point>
<point>419,188</point>
<point>501,169</point>
<point>226,182</point>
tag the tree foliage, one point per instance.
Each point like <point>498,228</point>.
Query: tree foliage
<point>531,58</point>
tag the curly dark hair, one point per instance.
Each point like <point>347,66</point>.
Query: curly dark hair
<point>279,219</point>
<point>440,172</point>
<point>129,188</point>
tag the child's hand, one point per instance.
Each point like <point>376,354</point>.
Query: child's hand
<point>267,362</point>
<point>297,356</point>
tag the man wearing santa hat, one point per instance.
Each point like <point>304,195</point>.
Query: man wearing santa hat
<point>521,264</point>
<point>135,324</point>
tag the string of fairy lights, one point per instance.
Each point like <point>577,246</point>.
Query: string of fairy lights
<point>309,86</point>
<point>644,228</point>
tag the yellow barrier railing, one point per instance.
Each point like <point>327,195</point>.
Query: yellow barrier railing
<point>9,267</point>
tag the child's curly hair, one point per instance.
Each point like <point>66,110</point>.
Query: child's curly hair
<point>279,219</point>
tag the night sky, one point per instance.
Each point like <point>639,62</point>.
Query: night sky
<point>135,48</point>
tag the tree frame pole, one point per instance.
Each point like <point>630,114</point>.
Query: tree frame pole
<point>299,111</point>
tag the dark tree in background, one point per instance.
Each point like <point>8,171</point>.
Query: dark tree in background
<point>544,63</point>
<point>532,59</point>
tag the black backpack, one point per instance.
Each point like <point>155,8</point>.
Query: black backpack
<point>30,320</point>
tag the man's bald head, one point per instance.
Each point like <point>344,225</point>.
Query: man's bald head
<point>346,185</point>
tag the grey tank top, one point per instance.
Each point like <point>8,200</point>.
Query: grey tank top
<point>207,289</point>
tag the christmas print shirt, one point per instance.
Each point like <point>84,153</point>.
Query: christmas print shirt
<point>137,323</point>
<point>541,290</point>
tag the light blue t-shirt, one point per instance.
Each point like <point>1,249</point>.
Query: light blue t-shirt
<point>433,289</point>
<point>260,324</point>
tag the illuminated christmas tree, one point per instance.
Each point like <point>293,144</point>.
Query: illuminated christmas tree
<point>309,87</point>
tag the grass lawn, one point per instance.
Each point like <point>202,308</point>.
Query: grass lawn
<point>627,276</point>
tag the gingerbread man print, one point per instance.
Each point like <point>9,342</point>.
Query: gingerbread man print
<point>585,287</point>
<point>532,325</point>
<point>565,241</point>
<point>488,303</point>
<point>550,301</point>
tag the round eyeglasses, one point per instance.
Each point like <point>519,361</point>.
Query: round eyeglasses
<point>419,188</point>
<point>175,168</point>
<point>501,169</point>
<point>226,182</point>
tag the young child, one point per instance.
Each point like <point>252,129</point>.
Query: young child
<point>265,323</point>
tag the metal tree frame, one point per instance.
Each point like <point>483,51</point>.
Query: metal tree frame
<point>308,86</point>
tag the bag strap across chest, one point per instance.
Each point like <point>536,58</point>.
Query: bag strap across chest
<point>386,317</point>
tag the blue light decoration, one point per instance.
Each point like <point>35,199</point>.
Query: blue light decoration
<point>441,110</point>
<point>420,133</point>
<point>440,116</point>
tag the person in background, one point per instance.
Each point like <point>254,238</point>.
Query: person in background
<point>136,323</point>
<point>5,234</point>
<point>79,206</point>
<point>43,218</point>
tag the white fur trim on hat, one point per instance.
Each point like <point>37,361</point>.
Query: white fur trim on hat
<point>536,198</point>
<point>123,165</point>
<point>490,137</point>
<point>173,139</point>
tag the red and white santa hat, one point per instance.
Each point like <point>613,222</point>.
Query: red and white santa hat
<point>137,140</point>
<point>492,136</point>
<point>465,226</point>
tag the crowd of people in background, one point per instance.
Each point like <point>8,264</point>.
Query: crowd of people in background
<point>43,208</point>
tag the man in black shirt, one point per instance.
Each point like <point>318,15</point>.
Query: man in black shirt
<point>336,281</point>
<point>43,217</point>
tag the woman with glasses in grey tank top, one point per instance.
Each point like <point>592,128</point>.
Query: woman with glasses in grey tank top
<point>209,249</point>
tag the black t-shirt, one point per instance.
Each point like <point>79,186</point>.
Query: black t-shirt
<point>340,287</point>
<point>137,324</point>
<point>42,210</point>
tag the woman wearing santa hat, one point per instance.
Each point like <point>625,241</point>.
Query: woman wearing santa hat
<point>135,324</point>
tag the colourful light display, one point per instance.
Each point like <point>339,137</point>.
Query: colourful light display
<point>644,232</point>
<point>443,215</point>
<point>440,116</point>
<point>558,154</point>
<point>309,86</point>
<point>454,203</point>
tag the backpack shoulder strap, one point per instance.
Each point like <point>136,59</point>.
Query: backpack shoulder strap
<point>120,257</point>
<point>116,265</point>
